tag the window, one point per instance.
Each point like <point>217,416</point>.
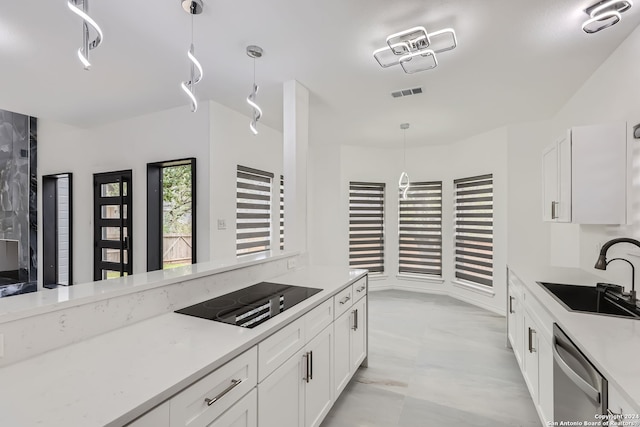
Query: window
<point>171,219</point>
<point>366,226</point>
<point>474,229</point>
<point>253,211</point>
<point>420,229</point>
<point>281,212</point>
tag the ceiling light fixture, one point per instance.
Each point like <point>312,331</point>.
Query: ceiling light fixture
<point>192,7</point>
<point>415,49</point>
<point>403,182</point>
<point>81,8</point>
<point>254,52</point>
<point>604,14</point>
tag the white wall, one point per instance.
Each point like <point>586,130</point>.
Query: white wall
<point>232,143</point>
<point>219,138</point>
<point>610,95</point>
<point>333,168</point>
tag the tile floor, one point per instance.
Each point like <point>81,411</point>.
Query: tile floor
<point>434,361</point>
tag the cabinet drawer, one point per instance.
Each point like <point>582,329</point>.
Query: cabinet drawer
<point>242,414</point>
<point>207,399</point>
<point>342,301</point>
<point>318,319</point>
<point>275,350</point>
<point>359,289</point>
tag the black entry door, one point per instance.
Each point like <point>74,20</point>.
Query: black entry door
<point>112,215</point>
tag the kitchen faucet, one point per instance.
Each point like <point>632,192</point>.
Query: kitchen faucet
<point>602,263</point>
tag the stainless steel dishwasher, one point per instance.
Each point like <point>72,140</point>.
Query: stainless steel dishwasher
<point>579,390</point>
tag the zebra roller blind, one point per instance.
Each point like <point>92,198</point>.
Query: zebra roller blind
<point>474,229</point>
<point>281,212</point>
<point>366,226</point>
<point>253,211</point>
<point>420,229</point>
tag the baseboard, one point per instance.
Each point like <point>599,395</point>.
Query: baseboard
<point>478,303</point>
<point>380,287</point>
<point>420,288</point>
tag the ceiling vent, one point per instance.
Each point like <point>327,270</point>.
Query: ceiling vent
<point>406,92</point>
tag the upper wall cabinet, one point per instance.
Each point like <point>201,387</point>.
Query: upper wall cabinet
<point>585,176</point>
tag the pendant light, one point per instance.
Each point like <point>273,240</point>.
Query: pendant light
<point>192,7</point>
<point>403,182</point>
<point>254,52</point>
<point>81,8</point>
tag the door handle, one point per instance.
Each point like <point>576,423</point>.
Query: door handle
<point>125,243</point>
<point>588,389</point>
<point>553,210</point>
<point>355,320</point>
<point>511,305</point>
<point>311,365</point>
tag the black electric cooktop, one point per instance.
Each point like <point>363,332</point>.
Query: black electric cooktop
<point>251,306</point>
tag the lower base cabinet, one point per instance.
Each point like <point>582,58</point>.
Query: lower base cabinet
<point>350,343</point>
<point>242,414</point>
<point>299,393</point>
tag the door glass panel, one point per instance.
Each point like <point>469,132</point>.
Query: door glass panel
<point>177,213</point>
<point>112,255</point>
<point>112,211</point>
<point>110,274</point>
<point>113,233</point>
<point>111,189</point>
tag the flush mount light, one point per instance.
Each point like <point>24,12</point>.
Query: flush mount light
<point>81,8</point>
<point>192,7</point>
<point>605,14</point>
<point>254,52</point>
<point>415,49</point>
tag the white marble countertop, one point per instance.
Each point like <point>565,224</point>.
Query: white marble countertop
<point>26,305</point>
<point>611,343</point>
<point>111,379</point>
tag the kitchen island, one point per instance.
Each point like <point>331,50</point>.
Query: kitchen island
<point>114,378</point>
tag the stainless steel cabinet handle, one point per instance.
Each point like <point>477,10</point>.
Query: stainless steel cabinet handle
<point>588,389</point>
<point>531,347</point>
<point>355,320</point>
<point>554,210</point>
<point>345,299</point>
<point>311,365</point>
<point>362,288</point>
<point>511,305</point>
<point>307,376</point>
<point>234,384</point>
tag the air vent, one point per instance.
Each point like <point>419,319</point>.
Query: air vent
<point>406,92</point>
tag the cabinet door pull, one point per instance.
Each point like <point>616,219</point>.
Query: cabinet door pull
<point>554,209</point>
<point>511,305</point>
<point>311,365</point>
<point>307,376</point>
<point>234,384</point>
<point>532,349</point>
<point>362,288</point>
<point>345,299</point>
<point>355,320</point>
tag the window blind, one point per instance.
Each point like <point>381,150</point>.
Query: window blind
<point>366,226</point>
<point>420,229</point>
<point>281,212</point>
<point>253,211</point>
<point>474,229</point>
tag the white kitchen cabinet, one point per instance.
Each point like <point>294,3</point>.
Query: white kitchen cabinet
<point>242,414</point>
<point>350,340</point>
<point>281,395</point>
<point>204,401</point>
<point>556,181</point>
<point>530,358</point>
<point>318,387</point>
<point>585,176</point>
<point>299,393</point>
<point>359,334</point>
<point>515,313</point>
<point>529,333</point>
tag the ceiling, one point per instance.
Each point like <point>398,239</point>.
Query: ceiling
<point>516,61</point>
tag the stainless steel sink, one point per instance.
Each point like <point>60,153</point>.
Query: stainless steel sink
<point>591,299</point>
